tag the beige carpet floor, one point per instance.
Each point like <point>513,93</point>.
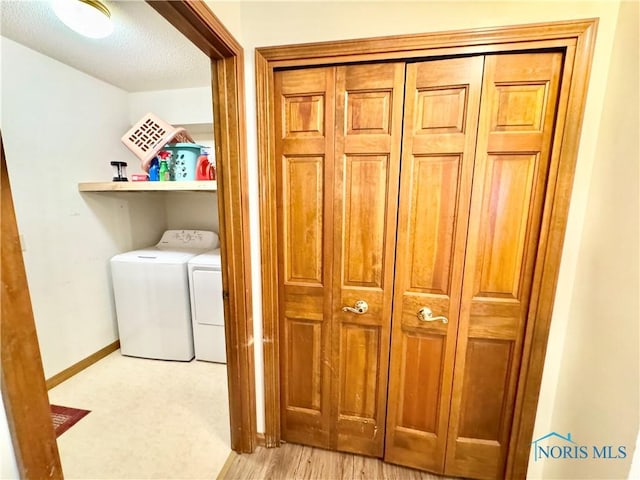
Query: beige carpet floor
<point>149,419</point>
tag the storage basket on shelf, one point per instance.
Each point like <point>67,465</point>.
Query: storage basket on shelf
<point>184,157</point>
<point>148,136</point>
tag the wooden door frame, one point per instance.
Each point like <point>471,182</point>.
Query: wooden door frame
<point>577,38</point>
<point>23,385</point>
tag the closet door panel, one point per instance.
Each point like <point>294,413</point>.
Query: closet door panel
<point>441,114</point>
<point>365,181</point>
<point>509,180</point>
<point>434,189</point>
<point>304,109</point>
<point>369,100</point>
<point>512,160</point>
<point>302,210</point>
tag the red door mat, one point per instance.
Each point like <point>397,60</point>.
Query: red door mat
<point>65,417</point>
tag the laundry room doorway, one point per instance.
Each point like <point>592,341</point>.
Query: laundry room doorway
<point>26,402</point>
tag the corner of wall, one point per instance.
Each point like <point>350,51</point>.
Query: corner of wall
<point>599,354</point>
<point>68,236</point>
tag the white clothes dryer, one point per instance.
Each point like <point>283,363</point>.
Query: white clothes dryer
<point>207,310</point>
<point>151,291</point>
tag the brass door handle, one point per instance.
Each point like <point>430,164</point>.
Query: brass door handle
<point>359,307</point>
<point>426,315</point>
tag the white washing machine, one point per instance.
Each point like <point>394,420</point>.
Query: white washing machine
<point>207,311</point>
<point>151,291</point>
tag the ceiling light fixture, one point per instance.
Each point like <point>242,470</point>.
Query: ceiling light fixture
<point>90,18</point>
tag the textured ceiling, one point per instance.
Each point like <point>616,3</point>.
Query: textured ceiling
<point>144,52</point>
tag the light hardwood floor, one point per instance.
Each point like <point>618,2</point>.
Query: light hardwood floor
<point>292,462</point>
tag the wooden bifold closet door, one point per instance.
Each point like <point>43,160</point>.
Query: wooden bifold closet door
<point>416,188</point>
<point>338,144</point>
<point>441,121</point>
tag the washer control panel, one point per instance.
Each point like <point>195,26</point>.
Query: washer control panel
<point>192,239</point>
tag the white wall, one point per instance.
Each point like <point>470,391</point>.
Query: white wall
<point>192,211</point>
<point>635,463</point>
<point>61,127</point>
<point>8,466</point>
<point>229,12</point>
<point>182,106</point>
<point>598,393</point>
<point>278,23</point>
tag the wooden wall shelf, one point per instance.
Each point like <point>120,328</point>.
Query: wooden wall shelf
<point>191,186</point>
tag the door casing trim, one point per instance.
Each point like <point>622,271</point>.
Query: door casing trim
<point>578,39</point>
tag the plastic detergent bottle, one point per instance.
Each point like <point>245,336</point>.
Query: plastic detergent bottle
<point>164,166</point>
<point>202,167</point>
<point>154,170</point>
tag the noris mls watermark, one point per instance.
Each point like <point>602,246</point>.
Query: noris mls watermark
<point>555,446</point>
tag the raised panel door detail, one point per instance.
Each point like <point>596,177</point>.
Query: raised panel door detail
<point>441,110</point>
<point>359,369</point>
<point>303,116</point>
<point>442,101</point>
<point>510,181</point>
<point>510,178</point>
<point>434,195</point>
<point>365,214</point>
<point>368,112</point>
<point>484,392</point>
<point>304,364</point>
<point>421,384</point>
<point>368,130</point>
<point>303,111</point>
<point>303,212</point>
<point>519,107</point>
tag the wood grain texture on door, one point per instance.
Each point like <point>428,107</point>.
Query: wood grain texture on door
<point>369,102</point>
<point>441,117</point>
<point>338,142</point>
<point>517,116</point>
<point>304,106</point>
